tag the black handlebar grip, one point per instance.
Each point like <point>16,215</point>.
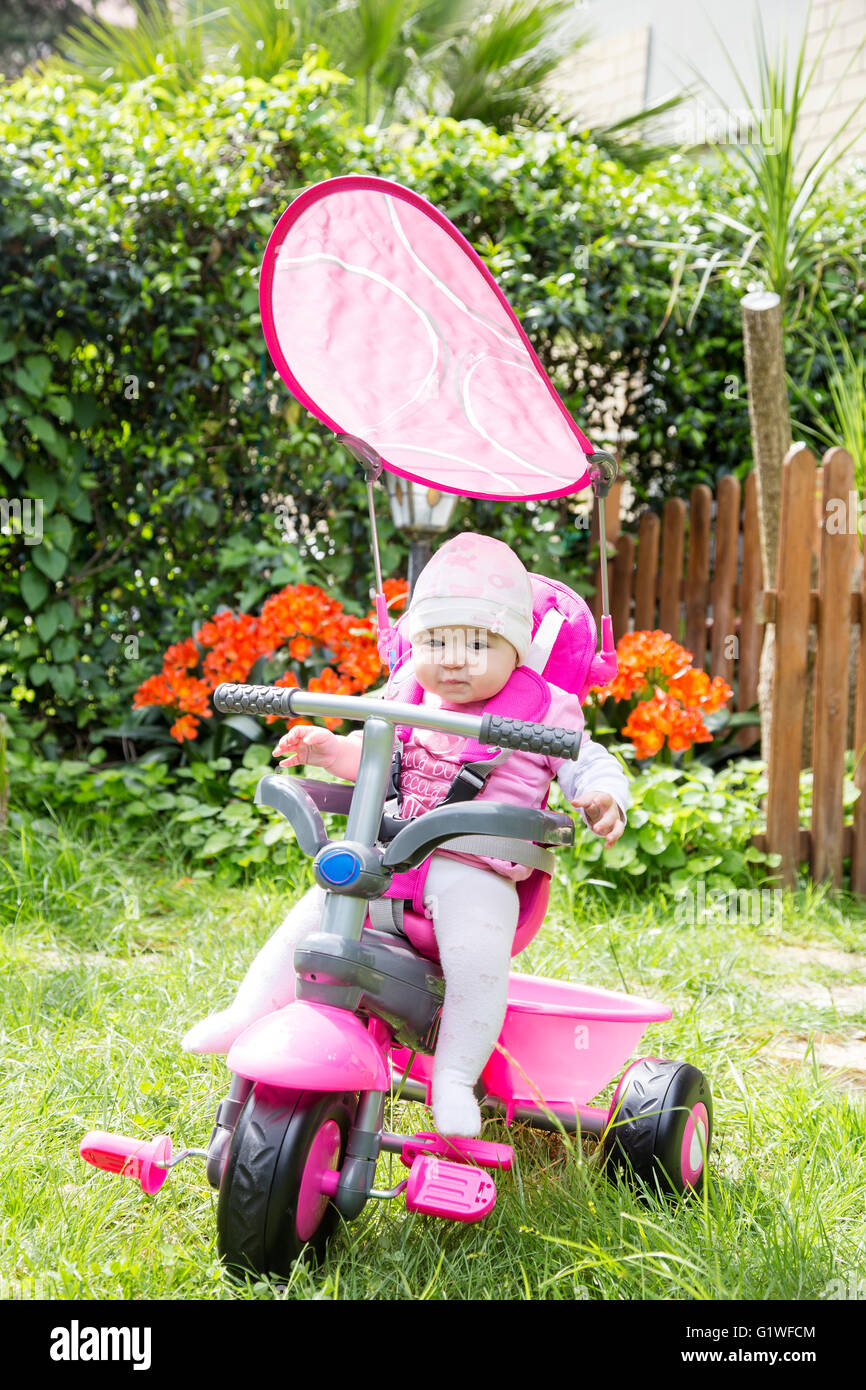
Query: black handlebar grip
<point>253,699</point>
<point>530,738</point>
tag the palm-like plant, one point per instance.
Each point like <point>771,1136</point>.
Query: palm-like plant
<point>159,42</point>
<point>496,67</point>
<point>260,38</point>
<point>843,422</point>
<point>460,58</point>
<point>788,234</point>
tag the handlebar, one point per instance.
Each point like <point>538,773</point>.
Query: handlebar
<point>491,729</point>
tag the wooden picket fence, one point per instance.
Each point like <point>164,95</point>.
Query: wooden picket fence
<point>834,609</point>
<point>700,578</point>
<point>695,576</point>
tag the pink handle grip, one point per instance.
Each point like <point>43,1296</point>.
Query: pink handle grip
<point>131,1158</point>
<point>605,663</point>
<point>385,640</point>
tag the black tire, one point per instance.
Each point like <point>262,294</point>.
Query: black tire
<point>262,1227</point>
<point>660,1125</point>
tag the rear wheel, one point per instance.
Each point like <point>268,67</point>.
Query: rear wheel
<point>660,1124</point>
<point>272,1207</point>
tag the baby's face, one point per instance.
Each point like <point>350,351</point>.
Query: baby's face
<point>462,664</point>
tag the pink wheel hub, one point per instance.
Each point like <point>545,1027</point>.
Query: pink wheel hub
<point>321,1161</point>
<point>694,1144</point>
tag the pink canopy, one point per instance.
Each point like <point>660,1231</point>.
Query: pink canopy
<point>384,322</point>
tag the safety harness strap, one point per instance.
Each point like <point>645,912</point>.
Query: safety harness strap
<point>386,914</point>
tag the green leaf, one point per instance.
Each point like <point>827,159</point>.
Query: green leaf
<point>63,680</point>
<point>11,462</point>
<point>64,648</point>
<point>256,755</point>
<point>50,560</point>
<point>60,531</point>
<point>80,508</point>
<point>64,344</point>
<point>25,382</point>
<point>219,840</point>
<point>47,623</point>
<point>39,367</point>
<point>244,725</point>
<point>42,429</point>
<point>62,408</point>
<point>42,484</point>
<point>652,840</point>
<point>34,588</point>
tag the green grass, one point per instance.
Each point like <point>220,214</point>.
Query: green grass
<point>108,954</point>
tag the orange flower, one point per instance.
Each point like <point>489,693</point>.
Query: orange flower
<point>154,691</point>
<point>184,728</point>
<point>301,620</point>
<point>300,648</point>
<point>670,694</point>
<point>182,655</point>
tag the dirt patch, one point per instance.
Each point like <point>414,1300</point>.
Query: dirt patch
<point>844,998</point>
<point>848,961</point>
<point>813,964</point>
<point>842,1060</point>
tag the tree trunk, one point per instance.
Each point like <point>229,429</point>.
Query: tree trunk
<point>770,421</point>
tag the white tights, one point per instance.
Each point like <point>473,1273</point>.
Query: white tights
<point>474,912</point>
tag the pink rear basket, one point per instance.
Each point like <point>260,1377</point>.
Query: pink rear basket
<point>560,1043</point>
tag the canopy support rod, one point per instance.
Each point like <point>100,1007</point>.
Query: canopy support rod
<point>372,465</point>
<point>603,469</point>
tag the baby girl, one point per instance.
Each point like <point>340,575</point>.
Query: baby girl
<point>470,626</point>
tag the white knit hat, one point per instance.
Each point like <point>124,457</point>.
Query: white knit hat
<point>474,581</point>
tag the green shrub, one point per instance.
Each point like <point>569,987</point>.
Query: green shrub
<point>140,407</point>
<point>685,822</point>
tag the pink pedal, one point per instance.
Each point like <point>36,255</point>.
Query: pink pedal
<point>480,1151</point>
<point>131,1158</point>
<point>452,1190</point>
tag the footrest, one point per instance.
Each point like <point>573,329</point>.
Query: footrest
<point>452,1190</point>
<point>479,1151</point>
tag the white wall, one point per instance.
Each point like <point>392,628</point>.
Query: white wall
<point>645,50</point>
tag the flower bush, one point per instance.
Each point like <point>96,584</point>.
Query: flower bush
<point>300,624</point>
<point>666,696</point>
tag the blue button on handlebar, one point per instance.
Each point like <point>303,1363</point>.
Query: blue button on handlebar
<point>342,867</point>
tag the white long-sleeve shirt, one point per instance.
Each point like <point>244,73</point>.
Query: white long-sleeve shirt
<point>595,770</point>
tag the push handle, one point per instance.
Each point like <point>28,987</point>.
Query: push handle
<point>530,738</point>
<point>146,1160</point>
<point>253,699</point>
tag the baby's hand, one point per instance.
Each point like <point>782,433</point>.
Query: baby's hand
<point>306,743</point>
<point>603,814</point>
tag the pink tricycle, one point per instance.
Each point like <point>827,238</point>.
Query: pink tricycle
<point>297,1139</point>
<point>463,407</point>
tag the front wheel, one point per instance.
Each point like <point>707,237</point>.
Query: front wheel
<point>271,1205</point>
<point>660,1124</point>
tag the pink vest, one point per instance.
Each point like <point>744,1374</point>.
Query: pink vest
<point>428,771</point>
